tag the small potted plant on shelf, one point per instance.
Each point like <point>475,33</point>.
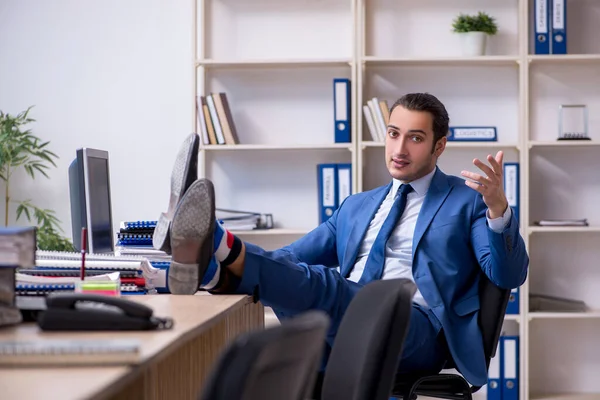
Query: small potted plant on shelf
<point>474,30</point>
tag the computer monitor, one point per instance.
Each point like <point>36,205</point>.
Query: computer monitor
<point>89,186</point>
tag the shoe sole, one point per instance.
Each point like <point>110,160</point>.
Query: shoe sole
<point>185,172</point>
<point>192,238</point>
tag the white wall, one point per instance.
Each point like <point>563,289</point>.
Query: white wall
<point>108,74</point>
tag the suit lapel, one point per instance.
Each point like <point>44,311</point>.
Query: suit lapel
<point>437,193</point>
<point>367,211</point>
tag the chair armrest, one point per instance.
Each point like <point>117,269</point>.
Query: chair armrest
<point>445,386</point>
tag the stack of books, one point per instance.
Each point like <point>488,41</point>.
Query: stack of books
<point>377,116</point>
<point>58,271</point>
<point>215,120</point>
<point>136,233</point>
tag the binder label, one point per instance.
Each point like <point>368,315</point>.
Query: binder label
<point>510,189</point>
<point>344,182</point>
<point>540,17</point>
<point>558,18</point>
<point>473,133</point>
<point>328,187</point>
<point>340,101</point>
<point>510,359</point>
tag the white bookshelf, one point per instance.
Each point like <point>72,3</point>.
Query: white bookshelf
<point>276,61</point>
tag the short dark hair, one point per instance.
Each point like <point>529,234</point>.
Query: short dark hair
<point>431,104</point>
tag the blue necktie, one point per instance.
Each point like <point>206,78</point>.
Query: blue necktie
<point>375,261</point>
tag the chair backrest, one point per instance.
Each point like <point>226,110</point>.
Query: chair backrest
<point>279,362</point>
<point>492,309</point>
<point>368,344</point>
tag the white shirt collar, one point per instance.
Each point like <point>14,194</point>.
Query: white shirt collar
<point>420,186</point>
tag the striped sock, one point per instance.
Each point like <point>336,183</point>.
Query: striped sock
<point>212,276</point>
<point>227,246</point>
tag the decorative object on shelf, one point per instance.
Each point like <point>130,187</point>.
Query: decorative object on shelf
<point>573,122</point>
<point>474,30</point>
<point>473,134</point>
<point>20,148</point>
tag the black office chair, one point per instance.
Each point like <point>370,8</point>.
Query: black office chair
<point>277,363</point>
<point>492,303</point>
<point>367,348</point>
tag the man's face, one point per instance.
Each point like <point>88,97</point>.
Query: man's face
<point>409,144</point>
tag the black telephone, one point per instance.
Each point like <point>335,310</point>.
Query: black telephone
<point>95,312</point>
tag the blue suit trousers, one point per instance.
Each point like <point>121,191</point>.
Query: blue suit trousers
<point>291,287</point>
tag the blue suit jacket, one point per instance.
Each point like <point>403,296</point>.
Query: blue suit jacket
<point>452,243</point>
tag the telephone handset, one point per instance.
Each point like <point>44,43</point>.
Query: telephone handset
<point>94,312</point>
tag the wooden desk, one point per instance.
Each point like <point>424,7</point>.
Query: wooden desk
<point>174,363</point>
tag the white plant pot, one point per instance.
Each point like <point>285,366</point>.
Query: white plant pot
<point>473,43</point>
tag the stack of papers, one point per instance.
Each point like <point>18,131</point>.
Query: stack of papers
<point>562,222</point>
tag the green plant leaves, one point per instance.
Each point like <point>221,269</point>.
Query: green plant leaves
<point>19,147</point>
<point>49,239</point>
<point>481,22</point>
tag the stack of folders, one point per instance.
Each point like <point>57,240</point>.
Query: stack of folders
<point>546,303</point>
<point>377,116</point>
<point>136,233</point>
<point>135,239</point>
<point>17,247</point>
<point>17,250</point>
<point>241,221</point>
<point>334,185</point>
<point>57,271</point>
<point>562,222</point>
<point>215,121</point>
<point>503,372</point>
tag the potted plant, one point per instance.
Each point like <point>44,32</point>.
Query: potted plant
<point>474,30</point>
<point>20,148</point>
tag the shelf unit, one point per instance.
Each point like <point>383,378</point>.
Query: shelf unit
<point>281,99</point>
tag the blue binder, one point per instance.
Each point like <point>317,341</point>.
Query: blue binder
<point>513,302</point>
<point>511,186</point>
<point>559,26</point>
<point>542,26</point>
<point>327,190</point>
<point>342,110</point>
<point>510,367</point>
<point>494,385</point>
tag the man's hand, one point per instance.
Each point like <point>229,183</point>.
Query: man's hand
<point>490,185</point>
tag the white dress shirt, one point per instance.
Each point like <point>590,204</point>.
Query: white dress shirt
<point>398,252</point>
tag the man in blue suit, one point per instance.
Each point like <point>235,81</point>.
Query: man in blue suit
<point>438,230</point>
